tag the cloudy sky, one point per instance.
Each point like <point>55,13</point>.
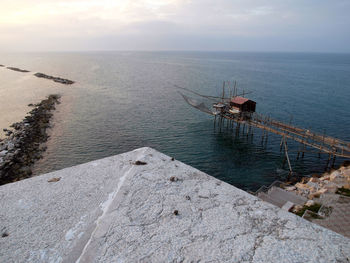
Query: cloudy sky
<point>241,25</point>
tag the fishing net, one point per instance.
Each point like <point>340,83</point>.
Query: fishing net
<point>198,105</point>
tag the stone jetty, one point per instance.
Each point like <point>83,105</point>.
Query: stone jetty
<point>144,206</point>
<point>24,142</point>
<point>42,75</point>
<point>18,69</point>
<point>56,79</point>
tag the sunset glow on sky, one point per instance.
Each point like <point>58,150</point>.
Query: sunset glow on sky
<point>175,25</point>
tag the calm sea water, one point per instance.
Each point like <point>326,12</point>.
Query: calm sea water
<point>126,100</point>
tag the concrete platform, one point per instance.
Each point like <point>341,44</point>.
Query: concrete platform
<point>112,210</point>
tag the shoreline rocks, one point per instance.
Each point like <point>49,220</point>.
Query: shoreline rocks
<point>328,183</point>
<point>24,143</point>
<point>18,69</point>
<point>55,79</point>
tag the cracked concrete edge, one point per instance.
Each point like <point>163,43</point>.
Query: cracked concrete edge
<point>100,225</point>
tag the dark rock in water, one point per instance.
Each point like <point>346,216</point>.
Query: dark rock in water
<point>56,79</point>
<point>2,65</point>
<point>24,146</point>
<point>18,69</point>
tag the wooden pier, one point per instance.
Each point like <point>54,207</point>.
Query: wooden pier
<point>241,111</point>
<point>323,143</point>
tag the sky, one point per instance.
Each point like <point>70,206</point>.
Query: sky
<point>205,25</point>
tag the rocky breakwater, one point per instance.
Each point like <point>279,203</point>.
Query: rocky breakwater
<point>56,79</point>
<point>23,144</point>
<point>18,69</point>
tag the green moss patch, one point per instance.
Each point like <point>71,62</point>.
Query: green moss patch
<point>314,208</point>
<point>343,191</point>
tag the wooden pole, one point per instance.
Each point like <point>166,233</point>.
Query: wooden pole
<point>286,153</point>
<point>334,156</point>
<point>281,144</point>
<point>235,90</point>
<point>329,158</point>
<point>223,91</point>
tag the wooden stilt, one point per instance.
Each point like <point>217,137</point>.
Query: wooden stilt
<point>287,157</point>
<point>284,162</point>
<point>281,144</point>
<point>329,158</point>
<point>334,156</point>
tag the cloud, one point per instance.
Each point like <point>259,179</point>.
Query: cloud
<point>175,24</point>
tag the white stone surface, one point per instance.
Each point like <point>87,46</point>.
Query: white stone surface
<point>111,210</point>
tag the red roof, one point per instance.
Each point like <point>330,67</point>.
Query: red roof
<point>239,100</point>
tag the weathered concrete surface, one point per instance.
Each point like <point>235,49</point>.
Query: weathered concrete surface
<point>112,210</point>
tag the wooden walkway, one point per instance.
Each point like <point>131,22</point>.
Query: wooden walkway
<point>323,143</point>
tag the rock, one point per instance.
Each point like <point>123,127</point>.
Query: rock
<point>326,177</point>
<point>140,163</point>
<point>312,190</point>
<point>347,185</point>
<point>312,185</point>
<point>310,203</point>
<point>297,208</point>
<point>290,188</point>
<point>55,179</point>
<point>26,170</point>
<point>9,156</point>
<point>302,186</point>
<point>18,69</point>
<point>56,79</point>
<point>10,146</point>
<point>340,181</point>
<point>19,150</point>
<point>318,193</point>
<point>331,187</point>
<point>173,179</point>
<point>334,175</point>
<point>314,180</point>
<point>313,195</point>
<point>346,172</point>
<point>2,148</point>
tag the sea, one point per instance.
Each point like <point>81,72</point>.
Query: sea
<point>125,100</point>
